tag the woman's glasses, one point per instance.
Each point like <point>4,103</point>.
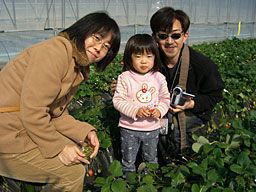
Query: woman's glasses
<point>98,40</point>
<point>164,36</point>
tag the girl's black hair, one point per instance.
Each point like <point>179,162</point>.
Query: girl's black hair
<point>100,23</point>
<point>137,44</point>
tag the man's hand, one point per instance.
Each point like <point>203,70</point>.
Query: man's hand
<point>178,108</point>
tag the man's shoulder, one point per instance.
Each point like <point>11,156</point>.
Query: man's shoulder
<point>198,58</point>
<point>197,54</point>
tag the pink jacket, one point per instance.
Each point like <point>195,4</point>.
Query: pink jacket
<point>134,91</point>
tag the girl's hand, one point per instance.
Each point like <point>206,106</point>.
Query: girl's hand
<point>155,113</point>
<point>143,112</point>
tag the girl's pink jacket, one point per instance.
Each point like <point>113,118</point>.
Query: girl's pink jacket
<point>135,91</point>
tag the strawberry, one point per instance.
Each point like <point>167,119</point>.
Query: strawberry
<point>228,124</point>
<point>90,172</point>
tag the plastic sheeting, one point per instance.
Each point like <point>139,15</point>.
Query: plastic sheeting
<point>26,22</point>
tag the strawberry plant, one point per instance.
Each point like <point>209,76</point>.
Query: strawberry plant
<point>225,162</point>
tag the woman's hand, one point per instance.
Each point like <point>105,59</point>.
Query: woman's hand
<point>178,108</point>
<point>71,154</point>
<point>94,142</point>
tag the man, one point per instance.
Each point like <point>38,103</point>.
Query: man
<point>170,30</point>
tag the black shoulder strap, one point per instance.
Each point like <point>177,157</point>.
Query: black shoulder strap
<point>183,82</point>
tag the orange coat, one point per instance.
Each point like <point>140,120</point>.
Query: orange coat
<point>41,81</point>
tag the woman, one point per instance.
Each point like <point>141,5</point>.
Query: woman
<point>38,136</point>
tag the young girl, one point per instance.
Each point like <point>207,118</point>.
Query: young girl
<point>142,98</point>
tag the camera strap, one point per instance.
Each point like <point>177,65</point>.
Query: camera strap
<point>183,82</point>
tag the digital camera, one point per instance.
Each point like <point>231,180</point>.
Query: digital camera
<point>179,97</point>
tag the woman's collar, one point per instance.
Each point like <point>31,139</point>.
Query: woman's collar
<point>80,57</point>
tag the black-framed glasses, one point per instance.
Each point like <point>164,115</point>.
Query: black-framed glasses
<point>164,36</point>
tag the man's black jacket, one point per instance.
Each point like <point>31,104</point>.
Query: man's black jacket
<point>204,81</point>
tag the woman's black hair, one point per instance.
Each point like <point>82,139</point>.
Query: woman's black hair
<point>100,23</point>
<point>138,44</point>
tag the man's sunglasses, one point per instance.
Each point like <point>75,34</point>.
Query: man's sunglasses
<point>174,36</point>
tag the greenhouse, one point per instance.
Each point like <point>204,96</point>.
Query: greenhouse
<point>25,22</point>
<point>70,113</point>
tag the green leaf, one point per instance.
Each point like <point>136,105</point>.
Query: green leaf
<point>141,167</point>
<point>228,190</point>
<point>192,165</point>
<point>195,188</point>
<point>196,147</point>
<point>179,179</point>
<point>228,138</point>
<point>243,159</point>
<point>222,145</point>
<point>247,142</point>
<point>204,164</point>
<point>184,169</point>
<point>219,162</point>
<point>217,153</point>
<point>233,145</point>
<point>147,188</point>
<point>153,166</point>
<point>213,176</point>
<point>200,171</point>
<point>240,181</point>
<point>100,181</point>
<point>119,185</point>
<point>236,168</point>
<point>132,178</point>
<point>30,188</point>
<point>106,188</point>
<point>116,169</point>
<point>204,188</point>
<point>170,189</point>
<point>110,179</point>
<point>148,179</point>
<point>208,148</point>
<point>216,190</point>
<point>237,123</point>
<point>105,143</point>
<point>202,140</point>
